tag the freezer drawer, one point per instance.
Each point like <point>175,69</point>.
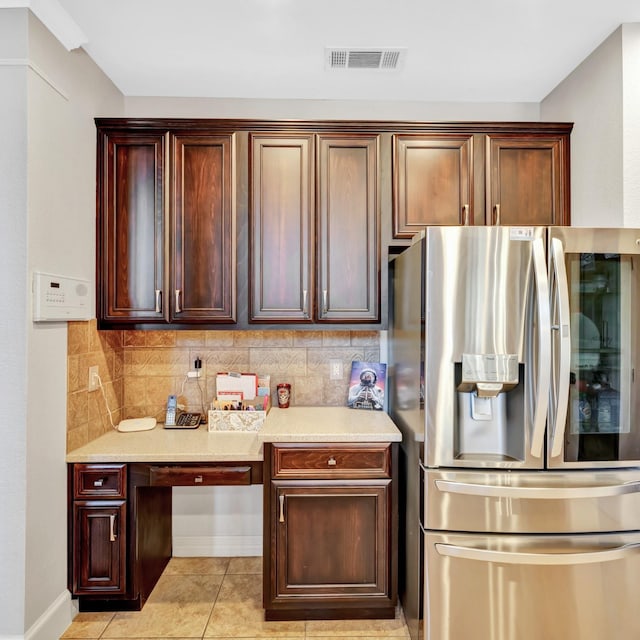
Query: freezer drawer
<point>503,587</point>
<point>532,502</point>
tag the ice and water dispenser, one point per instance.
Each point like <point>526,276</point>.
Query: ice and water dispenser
<point>490,407</point>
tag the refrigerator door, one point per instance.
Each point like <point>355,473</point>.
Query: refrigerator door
<point>502,587</point>
<point>486,346</point>
<point>532,502</point>
<point>595,292</point>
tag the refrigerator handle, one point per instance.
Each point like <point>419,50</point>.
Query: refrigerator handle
<point>587,492</point>
<point>543,377</point>
<point>580,557</point>
<point>562,371</point>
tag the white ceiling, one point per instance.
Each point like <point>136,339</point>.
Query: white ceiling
<point>456,50</point>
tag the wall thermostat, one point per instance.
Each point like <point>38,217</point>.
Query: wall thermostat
<point>59,298</point>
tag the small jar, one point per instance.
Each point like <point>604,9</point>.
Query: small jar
<point>284,395</point>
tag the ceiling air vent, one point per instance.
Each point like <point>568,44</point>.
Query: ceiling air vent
<point>383,59</point>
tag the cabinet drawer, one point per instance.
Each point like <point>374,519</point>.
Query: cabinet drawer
<point>103,480</point>
<point>180,476</point>
<point>332,461</point>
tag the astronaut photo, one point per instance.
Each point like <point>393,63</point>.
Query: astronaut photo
<point>366,393</point>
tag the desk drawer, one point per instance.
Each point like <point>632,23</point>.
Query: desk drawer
<point>186,476</point>
<point>332,461</point>
<point>99,480</point>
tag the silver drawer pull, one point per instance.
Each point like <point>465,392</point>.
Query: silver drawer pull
<point>332,462</point>
<point>198,479</point>
<point>112,529</point>
<point>281,499</point>
<point>158,301</point>
<point>98,483</point>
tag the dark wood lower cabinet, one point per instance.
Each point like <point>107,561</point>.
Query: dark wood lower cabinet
<point>330,545</point>
<point>330,528</point>
<point>100,547</point>
<point>119,535</point>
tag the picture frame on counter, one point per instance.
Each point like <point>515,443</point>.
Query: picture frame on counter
<point>367,385</point>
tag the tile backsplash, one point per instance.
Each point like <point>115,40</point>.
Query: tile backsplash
<point>139,369</point>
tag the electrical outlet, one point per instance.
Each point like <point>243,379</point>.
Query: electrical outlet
<point>94,380</point>
<point>335,370</point>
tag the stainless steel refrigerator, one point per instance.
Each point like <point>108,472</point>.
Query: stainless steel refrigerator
<point>512,356</point>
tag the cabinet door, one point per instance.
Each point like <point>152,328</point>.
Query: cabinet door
<point>131,228</point>
<point>432,182</point>
<point>527,180</point>
<point>281,228</point>
<point>203,231</point>
<point>99,547</point>
<point>348,229</point>
<point>330,541</point>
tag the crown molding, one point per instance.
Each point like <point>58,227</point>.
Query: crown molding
<point>55,18</point>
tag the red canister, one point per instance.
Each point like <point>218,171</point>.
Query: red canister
<point>284,394</point>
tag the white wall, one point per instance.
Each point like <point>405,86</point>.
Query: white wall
<point>47,199</point>
<point>591,98</point>
<point>631,123</point>
<point>328,109</point>
<point>65,91</point>
<point>13,339</point>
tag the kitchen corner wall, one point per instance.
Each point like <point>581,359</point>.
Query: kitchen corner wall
<point>139,369</point>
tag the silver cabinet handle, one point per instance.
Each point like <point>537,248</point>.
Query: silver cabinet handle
<point>304,302</point>
<point>543,374</point>
<point>538,493</point>
<point>332,462</point>
<point>579,557</point>
<point>562,364</point>
<point>281,499</point>
<point>112,529</point>
<point>198,479</point>
<point>98,483</point>
<point>465,215</point>
<point>158,301</point>
<point>324,301</point>
<point>178,309</point>
<point>496,218</point>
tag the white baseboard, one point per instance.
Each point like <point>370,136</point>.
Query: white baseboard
<point>216,546</point>
<point>53,622</point>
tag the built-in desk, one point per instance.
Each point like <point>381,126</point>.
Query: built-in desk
<point>330,509</point>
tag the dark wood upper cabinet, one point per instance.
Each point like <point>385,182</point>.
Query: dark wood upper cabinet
<point>131,256</point>
<point>348,229</point>
<point>281,228</point>
<point>314,228</point>
<point>203,257</point>
<point>481,173</point>
<point>214,222</point>
<point>527,180</point>
<point>433,181</point>
<point>166,228</point>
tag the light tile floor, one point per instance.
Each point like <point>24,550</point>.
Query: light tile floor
<point>200,598</point>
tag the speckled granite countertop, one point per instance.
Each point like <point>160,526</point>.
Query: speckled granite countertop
<point>296,424</point>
